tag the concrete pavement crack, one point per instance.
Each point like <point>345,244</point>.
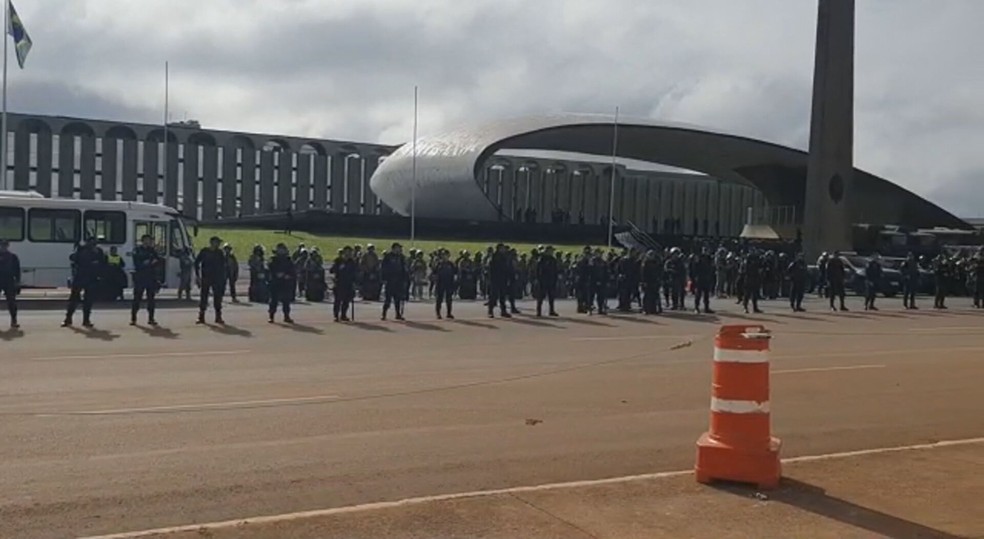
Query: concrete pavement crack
<point>560,519</point>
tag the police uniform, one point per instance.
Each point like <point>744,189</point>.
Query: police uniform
<point>345,272</point>
<point>702,276</point>
<point>652,277</point>
<point>599,284</point>
<point>872,279</point>
<point>547,272</point>
<point>10,278</point>
<point>282,275</point>
<point>115,276</point>
<point>210,268</point>
<point>232,272</point>
<point>147,263</point>
<point>752,272</point>
<point>836,274</point>
<point>500,271</point>
<point>444,277</point>
<point>396,276</point>
<point>910,282</point>
<point>797,281</point>
<point>88,264</point>
<point>978,270</point>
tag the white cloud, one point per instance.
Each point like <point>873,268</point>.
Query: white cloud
<point>346,68</point>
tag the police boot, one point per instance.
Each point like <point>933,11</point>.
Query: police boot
<point>13,323</point>
<point>201,317</point>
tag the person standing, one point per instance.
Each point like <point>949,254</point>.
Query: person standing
<point>702,275</point>
<point>116,275</point>
<point>499,277</point>
<point>345,272</point>
<point>910,281</point>
<point>10,278</point>
<point>282,275</point>
<point>652,277</point>
<point>582,281</point>
<point>752,271</point>
<point>872,281</point>
<point>836,274</point>
<point>232,271</point>
<point>395,275</point>
<point>797,271</point>
<point>941,273</point>
<point>444,283</point>
<point>88,263</point>
<point>211,275</point>
<point>147,264</point>
<point>599,283</point>
<point>978,268</point>
<point>547,273</point>
<point>187,267</point>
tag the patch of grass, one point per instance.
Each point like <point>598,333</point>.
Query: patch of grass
<point>243,240</point>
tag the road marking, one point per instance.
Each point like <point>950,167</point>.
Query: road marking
<point>825,369</point>
<point>140,356</point>
<point>632,338</point>
<point>317,513</point>
<point>931,352</point>
<point>202,406</point>
<point>947,328</point>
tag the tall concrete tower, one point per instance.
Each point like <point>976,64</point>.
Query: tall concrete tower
<point>828,213</point>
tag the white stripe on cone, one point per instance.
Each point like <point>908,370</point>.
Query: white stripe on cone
<point>740,356</point>
<point>739,407</point>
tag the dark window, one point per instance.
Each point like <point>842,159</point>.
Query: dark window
<point>12,224</point>
<point>110,225</point>
<point>57,226</point>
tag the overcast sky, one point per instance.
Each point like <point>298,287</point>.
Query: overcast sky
<point>345,69</point>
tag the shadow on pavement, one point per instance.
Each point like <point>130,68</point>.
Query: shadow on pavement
<point>159,332</point>
<point>635,318</point>
<point>760,318</point>
<point>816,500</point>
<point>423,326</point>
<point>585,321</point>
<point>801,316</point>
<point>93,333</point>
<point>693,317</point>
<point>522,320</point>
<point>474,324</point>
<point>233,331</point>
<point>301,328</point>
<point>11,334</point>
<point>368,327</point>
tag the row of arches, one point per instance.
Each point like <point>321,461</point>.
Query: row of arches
<point>205,175</point>
<point>571,192</point>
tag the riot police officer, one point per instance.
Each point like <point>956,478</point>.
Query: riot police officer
<point>547,273</point>
<point>978,269</point>
<point>797,283</point>
<point>752,271</point>
<point>872,281</point>
<point>836,274</point>
<point>582,281</point>
<point>10,278</point>
<point>910,281</point>
<point>599,282</point>
<point>282,275</point>
<point>444,277</point>
<point>395,275</point>
<point>652,278</point>
<point>147,265</point>
<point>232,271</point>
<point>115,279</point>
<point>500,269</point>
<point>702,275</point>
<point>941,273</point>
<point>88,264</point>
<point>211,274</point>
<point>258,291</point>
<point>345,272</point>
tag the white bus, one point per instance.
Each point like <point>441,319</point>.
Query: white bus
<point>43,232</point>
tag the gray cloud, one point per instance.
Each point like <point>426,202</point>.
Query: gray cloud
<point>346,68</point>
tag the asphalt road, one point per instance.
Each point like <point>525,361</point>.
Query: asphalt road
<point>124,428</point>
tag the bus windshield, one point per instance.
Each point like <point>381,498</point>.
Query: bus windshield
<point>180,240</point>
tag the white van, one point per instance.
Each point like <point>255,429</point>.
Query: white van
<point>44,232</point>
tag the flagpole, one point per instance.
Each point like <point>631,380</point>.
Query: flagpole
<point>3,128</point>
<point>413,176</point>
<point>167,88</point>
<point>611,193</point>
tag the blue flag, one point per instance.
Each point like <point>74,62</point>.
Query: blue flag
<point>22,41</point>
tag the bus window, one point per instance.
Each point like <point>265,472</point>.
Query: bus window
<point>155,229</point>
<point>53,226</point>
<point>111,225</point>
<point>12,224</point>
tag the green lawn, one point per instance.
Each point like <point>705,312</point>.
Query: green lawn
<point>243,240</point>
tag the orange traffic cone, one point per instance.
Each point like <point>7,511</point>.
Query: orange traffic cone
<point>739,446</point>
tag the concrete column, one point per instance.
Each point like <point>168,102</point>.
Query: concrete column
<point>549,196</point>
<point>508,203</point>
<point>210,182</point>
<point>724,208</point>
<point>66,166</point>
<point>109,171</point>
<point>44,164</point>
<point>247,194</point>
<point>642,203</point>
<point>87,166</point>
<point>321,181</point>
<point>267,200</point>
<point>576,179</point>
<point>302,199</point>
<point>230,173</point>
<point>665,204</point>
<point>151,156</point>
<point>829,210</point>
<point>189,192</point>
<point>285,179</point>
<point>604,197</point>
<point>589,201</point>
<point>353,185</point>
<point>564,190</point>
<point>128,174</point>
<point>520,176</point>
<point>22,160</point>
<point>653,200</point>
<point>368,169</point>
<point>338,182</point>
<point>171,175</point>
